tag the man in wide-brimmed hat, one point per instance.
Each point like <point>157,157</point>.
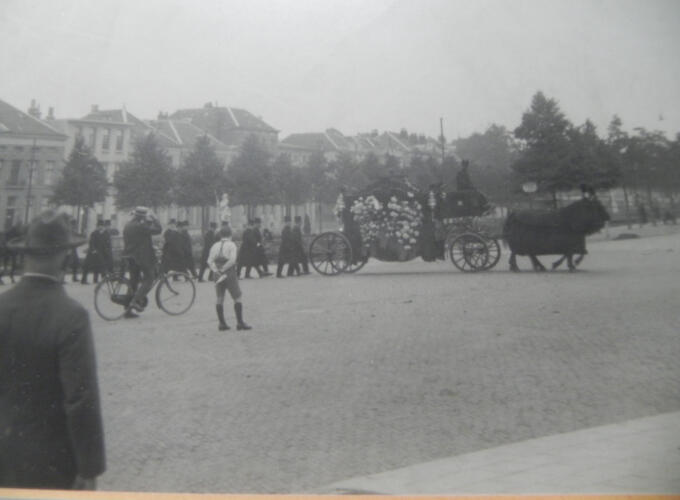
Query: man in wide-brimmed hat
<point>51,433</point>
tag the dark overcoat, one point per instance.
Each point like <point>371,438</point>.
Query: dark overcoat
<point>260,251</point>
<point>107,247</point>
<point>50,419</point>
<point>96,258</point>
<point>287,247</point>
<point>173,251</point>
<point>247,254</point>
<point>208,240</point>
<point>138,244</point>
<point>187,249</point>
<point>299,254</point>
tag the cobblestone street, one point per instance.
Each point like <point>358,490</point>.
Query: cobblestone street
<point>395,365</point>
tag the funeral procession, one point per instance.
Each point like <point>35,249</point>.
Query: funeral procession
<point>388,261</point>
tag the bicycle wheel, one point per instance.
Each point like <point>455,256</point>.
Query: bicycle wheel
<point>175,293</point>
<point>111,297</point>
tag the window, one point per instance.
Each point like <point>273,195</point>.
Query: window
<point>119,140</point>
<point>88,136</point>
<point>105,138</point>
<point>49,172</point>
<point>14,173</point>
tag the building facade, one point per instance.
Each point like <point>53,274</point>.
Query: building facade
<point>31,159</point>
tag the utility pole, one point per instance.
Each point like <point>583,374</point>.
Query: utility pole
<point>30,181</point>
<point>441,128</point>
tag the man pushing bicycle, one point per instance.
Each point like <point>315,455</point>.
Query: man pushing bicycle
<point>141,257</point>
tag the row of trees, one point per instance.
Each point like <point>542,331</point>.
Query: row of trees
<point>546,148</point>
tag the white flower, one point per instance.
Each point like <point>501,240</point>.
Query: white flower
<point>407,247</point>
<point>412,240</point>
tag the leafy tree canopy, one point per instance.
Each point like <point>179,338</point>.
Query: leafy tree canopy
<point>83,181</point>
<point>251,175</point>
<point>201,179</point>
<point>147,178</point>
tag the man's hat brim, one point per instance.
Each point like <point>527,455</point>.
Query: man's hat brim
<point>19,245</point>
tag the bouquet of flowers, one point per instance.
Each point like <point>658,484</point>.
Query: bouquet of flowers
<point>393,226</point>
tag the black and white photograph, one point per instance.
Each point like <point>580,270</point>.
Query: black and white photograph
<point>340,247</point>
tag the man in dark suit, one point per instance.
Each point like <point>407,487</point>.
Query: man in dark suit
<point>300,255</point>
<point>261,261</point>
<point>95,260</point>
<point>244,250</point>
<point>140,255</point>
<point>107,245</point>
<point>188,250</point>
<point>208,239</point>
<point>286,249</point>
<point>172,258</point>
<point>51,432</point>
<point>463,181</point>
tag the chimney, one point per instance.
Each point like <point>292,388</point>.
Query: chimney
<point>94,108</point>
<point>50,113</point>
<point>34,110</point>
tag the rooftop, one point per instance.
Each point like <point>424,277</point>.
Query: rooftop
<point>15,121</point>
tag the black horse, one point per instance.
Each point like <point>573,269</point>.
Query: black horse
<point>561,232</point>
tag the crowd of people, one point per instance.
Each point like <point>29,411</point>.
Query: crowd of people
<point>51,432</point>
<point>141,260</point>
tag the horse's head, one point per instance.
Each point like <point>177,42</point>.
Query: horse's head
<point>586,216</point>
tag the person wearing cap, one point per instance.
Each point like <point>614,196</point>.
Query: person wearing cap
<point>300,255</point>
<point>141,257</point>
<point>51,431</point>
<point>222,261</point>
<point>208,239</point>
<point>95,260</point>
<point>286,249</point>
<point>172,256</point>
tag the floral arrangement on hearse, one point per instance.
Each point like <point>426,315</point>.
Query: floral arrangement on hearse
<point>389,229</point>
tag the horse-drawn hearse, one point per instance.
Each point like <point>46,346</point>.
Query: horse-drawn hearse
<point>392,220</point>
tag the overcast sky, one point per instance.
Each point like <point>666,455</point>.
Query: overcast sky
<point>356,65</point>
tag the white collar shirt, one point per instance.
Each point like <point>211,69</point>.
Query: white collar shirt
<point>223,248</point>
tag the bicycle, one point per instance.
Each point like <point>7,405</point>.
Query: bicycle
<point>175,294</point>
